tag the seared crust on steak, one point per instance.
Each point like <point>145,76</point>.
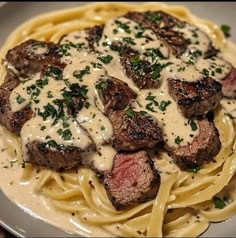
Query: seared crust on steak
<point>229,84</point>
<point>32,56</point>
<point>140,71</point>
<point>162,25</point>
<point>13,121</point>
<point>94,36</point>
<point>114,93</point>
<point>133,180</point>
<point>202,150</point>
<point>136,132</point>
<point>195,98</point>
<point>59,158</point>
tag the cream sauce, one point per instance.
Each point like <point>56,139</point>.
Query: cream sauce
<point>86,127</point>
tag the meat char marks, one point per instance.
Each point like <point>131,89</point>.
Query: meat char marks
<point>195,98</point>
<point>202,150</point>
<point>13,121</point>
<point>164,26</point>
<point>132,180</point>
<point>132,130</point>
<point>27,59</point>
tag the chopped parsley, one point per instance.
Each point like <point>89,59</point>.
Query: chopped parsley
<point>54,72</point>
<point>205,72</point>
<point>164,104</point>
<point>130,112</point>
<point>20,99</point>
<point>96,65</point>
<point>219,203</point>
<point>154,53</point>
<point>102,85</point>
<point>153,16</point>
<point>128,40</point>
<point>194,170</point>
<point>50,94</point>
<point>103,128</point>
<point>226,30</point>
<point>123,26</point>
<point>178,140</point>
<point>42,128</point>
<point>66,135</point>
<point>192,124</point>
<point>52,143</point>
<point>80,74</point>
<point>105,59</point>
<point>65,48</point>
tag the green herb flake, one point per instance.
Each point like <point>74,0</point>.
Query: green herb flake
<point>219,203</point>
<point>87,105</point>
<point>192,124</point>
<point>178,140</point>
<point>81,73</point>
<point>226,30</point>
<point>103,128</point>
<point>130,112</point>
<point>20,99</point>
<point>66,135</point>
<point>60,131</point>
<point>123,26</point>
<point>102,85</point>
<point>42,128</point>
<point>164,104</point>
<point>205,72</point>
<point>52,143</point>
<point>194,170</point>
<point>105,59</point>
<point>128,40</point>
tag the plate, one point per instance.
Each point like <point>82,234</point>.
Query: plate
<point>16,220</point>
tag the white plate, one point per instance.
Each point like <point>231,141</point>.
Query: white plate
<point>12,14</point>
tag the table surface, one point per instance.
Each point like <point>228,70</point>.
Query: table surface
<point>5,234</point>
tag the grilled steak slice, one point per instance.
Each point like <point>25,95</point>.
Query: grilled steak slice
<point>31,56</point>
<point>13,121</point>
<point>195,98</point>
<point>94,36</point>
<point>59,158</point>
<point>133,180</point>
<point>203,148</point>
<point>163,26</point>
<point>229,84</point>
<point>141,72</point>
<point>114,93</point>
<point>134,132</point>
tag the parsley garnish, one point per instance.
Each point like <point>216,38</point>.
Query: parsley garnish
<point>226,30</point>
<point>79,75</point>
<point>130,112</point>
<point>219,203</point>
<point>105,59</point>
<point>20,99</point>
<point>164,104</point>
<point>192,124</point>
<point>178,140</point>
<point>102,85</point>
<point>66,135</point>
<point>194,170</point>
<point>123,26</point>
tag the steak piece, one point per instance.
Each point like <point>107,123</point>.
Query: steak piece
<point>114,93</point>
<point>195,98</point>
<point>32,56</point>
<point>141,72</point>
<point>163,25</point>
<point>134,131</point>
<point>229,84</point>
<point>133,180</point>
<point>13,121</point>
<point>203,148</point>
<point>94,36</point>
<point>59,158</point>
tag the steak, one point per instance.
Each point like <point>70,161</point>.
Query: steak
<point>13,121</point>
<point>163,25</point>
<point>202,150</point>
<point>32,56</point>
<point>58,158</point>
<point>229,84</point>
<point>132,180</point>
<point>94,36</point>
<point>134,130</point>
<point>114,93</point>
<point>140,71</point>
<point>195,98</point>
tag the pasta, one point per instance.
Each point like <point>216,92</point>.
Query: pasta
<point>185,204</point>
